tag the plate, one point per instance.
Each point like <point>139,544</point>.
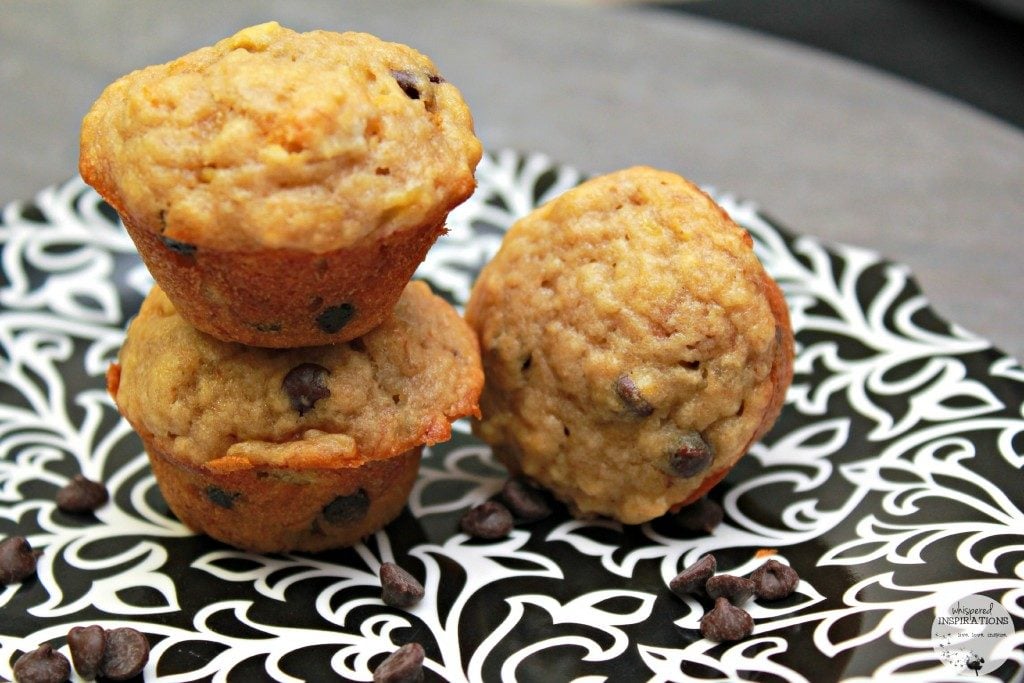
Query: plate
<point>892,483</point>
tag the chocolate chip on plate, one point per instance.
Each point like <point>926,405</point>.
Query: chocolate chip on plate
<point>399,588</point>
<point>125,654</point>
<point>87,644</point>
<point>404,665</point>
<point>490,520</point>
<point>304,385</point>
<point>17,560</point>
<point>726,622</point>
<point>81,495</point>
<point>704,515</point>
<point>628,392</point>
<point>691,456</point>
<point>42,665</point>
<point>693,578</point>
<point>736,589</point>
<point>774,580</point>
<point>524,501</point>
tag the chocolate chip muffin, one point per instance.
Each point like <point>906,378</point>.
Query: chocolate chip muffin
<point>294,449</point>
<point>634,346</point>
<point>283,187</point>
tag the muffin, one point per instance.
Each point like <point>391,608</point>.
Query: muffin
<point>310,448</point>
<point>634,346</point>
<point>283,187</point>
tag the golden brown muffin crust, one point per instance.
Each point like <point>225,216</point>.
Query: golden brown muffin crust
<point>277,139</point>
<point>621,324</point>
<point>229,406</point>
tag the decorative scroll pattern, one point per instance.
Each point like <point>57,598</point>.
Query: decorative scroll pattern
<point>892,483</point>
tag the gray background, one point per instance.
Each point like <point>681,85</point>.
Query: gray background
<point>826,147</point>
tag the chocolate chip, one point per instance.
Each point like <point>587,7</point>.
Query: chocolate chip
<point>87,644</point>
<point>183,248</point>
<point>17,560</point>
<point>306,384</point>
<point>524,501</point>
<point>703,516</point>
<point>334,318</point>
<point>404,665</point>
<point>735,589</point>
<point>267,327</point>
<point>399,588</point>
<point>490,520</point>
<point>347,509</point>
<point>436,79</point>
<point>692,579</point>
<point>82,495</point>
<point>42,665</point>
<point>629,394</point>
<point>222,498</point>
<point>125,655</point>
<point>726,622</point>
<point>774,580</point>
<point>691,456</point>
<point>407,82</point>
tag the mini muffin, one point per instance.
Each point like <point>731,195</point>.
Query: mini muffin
<point>294,449</point>
<point>283,187</point>
<point>633,345</point>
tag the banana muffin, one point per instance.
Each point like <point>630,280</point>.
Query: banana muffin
<point>283,187</point>
<point>294,449</point>
<point>633,344</point>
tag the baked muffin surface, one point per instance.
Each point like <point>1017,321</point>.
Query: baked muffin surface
<point>275,139</point>
<point>633,345</point>
<point>223,405</point>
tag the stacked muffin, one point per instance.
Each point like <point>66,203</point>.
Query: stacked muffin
<point>282,189</point>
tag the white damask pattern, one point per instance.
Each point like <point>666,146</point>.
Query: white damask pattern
<point>893,483</point>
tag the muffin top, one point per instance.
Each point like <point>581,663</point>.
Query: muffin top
<point>633,344</point>
<point>277,139</point>
<point>230,406</point>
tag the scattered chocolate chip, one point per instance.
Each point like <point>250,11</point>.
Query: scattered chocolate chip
<point>436,79</point>
<point>183,248</point>
<point>404,665</point>
<point>774,580</point>
<point>347,509</point>
<point>42,665</point>
<point>704,516</point>
<point>87,644</point>
<point>407,82</point>
<point>691,456</point>
<point>735,589</point>
<point>306,384</point>
<point>222,498</point>
<point>490,520</point>
<point>524,501</point>
<point>629,394</point>
<point>692,579</point>
<point>399,588</point>
<point>125,655</point>
<point>334,318</point>
<point>726,622</point>
<point>17,560</point>
<point>82,495</point>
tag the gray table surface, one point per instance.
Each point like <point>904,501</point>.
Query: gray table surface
<point>825,147</point>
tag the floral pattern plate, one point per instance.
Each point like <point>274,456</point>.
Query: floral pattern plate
<point>892,483</point>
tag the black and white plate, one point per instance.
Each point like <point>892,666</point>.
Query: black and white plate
<point>893,482</point>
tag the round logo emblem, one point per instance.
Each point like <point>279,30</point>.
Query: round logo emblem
<point>966,633</point>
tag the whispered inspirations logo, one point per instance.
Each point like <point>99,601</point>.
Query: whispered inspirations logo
<point>967,632</point>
